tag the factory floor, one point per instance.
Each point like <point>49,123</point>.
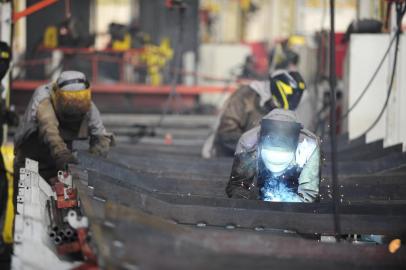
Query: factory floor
<point>154,203</point>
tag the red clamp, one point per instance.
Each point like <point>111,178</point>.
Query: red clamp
<point>61,201</point>
<point>84,246</point>
<point>171,4</point>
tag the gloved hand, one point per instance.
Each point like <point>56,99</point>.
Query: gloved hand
<point>64,158</point>
<point>307,196</point>
<point>100,145</point>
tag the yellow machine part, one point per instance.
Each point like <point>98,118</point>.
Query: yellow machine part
<point>7,150</point>
<point>296,40</point>
<point>122,45</point>
<point>245,5</point>
<point>155,58</point>
<point>51,37</point>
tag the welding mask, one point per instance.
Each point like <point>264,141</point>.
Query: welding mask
<point>71,97</point>
<point>277,144</point>
<point>5,58</point>
<point>287,88</point>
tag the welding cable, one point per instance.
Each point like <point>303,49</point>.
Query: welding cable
<point>177,63</point>
<point>333,125</point>
<point>345,115</point>
<point>400,12</point>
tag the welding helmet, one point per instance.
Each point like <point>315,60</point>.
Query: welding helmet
<point>287,88</point>
<point>5,58</point>
<point>279,136</point>
<point>71,96</point>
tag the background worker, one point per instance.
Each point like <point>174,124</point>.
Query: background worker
<point>246,106</point>
<point>276,161</point>
<point>58,114</point>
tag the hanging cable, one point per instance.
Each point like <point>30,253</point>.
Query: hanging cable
<point>400,12</point>
<point>333,124</point>
<point>370,80</point>
<point>181,7</point>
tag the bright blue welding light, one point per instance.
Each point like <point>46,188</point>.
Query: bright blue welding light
<point>280,169</point>
<point>276,159</point>
<point>274,191</point>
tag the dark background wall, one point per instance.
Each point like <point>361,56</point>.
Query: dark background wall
<point>159,22</point>
<point>52,15</point>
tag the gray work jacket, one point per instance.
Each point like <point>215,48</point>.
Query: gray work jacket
<point>244,170</point>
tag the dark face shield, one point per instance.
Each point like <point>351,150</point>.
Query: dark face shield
<point>276,155</point>
<point>277,144</point>
<point>287,89</point>
<point>277,134</point>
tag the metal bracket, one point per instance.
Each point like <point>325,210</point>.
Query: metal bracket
<point>77,222</point>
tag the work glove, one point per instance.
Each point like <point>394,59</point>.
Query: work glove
<point>100,145</point>
<point>307,195</point>
<point>64,158</point>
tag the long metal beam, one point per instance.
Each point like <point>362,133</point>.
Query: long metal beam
<point>305,218</point>
<point>129,238</point>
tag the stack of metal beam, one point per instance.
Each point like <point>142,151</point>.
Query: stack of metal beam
<point>157,206</point>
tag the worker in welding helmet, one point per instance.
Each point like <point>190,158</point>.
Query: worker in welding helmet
<point>246,106</point>
<point>276,161</point>
<point>58,114</point>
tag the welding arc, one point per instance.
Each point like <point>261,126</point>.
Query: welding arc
<point>400,12</point>
<point>345,115</point>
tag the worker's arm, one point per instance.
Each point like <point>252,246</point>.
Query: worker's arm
<point>309,179</point>
<point>48,127</point>
<point>231,123</point>
<point>243,172</point>
<point>100,140</point>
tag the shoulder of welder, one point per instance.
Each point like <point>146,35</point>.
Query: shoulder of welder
<point>248,141</point>
<point>243,92</point>
<point>28,122</point>
<point>42,92</point>
<point>308,142</point>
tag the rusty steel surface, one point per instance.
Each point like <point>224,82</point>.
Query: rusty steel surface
<point>126,236</point>
<point>158,206</point>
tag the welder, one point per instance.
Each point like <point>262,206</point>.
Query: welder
<point>276,161</point>
<point>245,108</point>
<point>59,113</point>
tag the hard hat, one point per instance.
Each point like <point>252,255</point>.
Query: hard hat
<point>287,88</point>
<point>71,96</point>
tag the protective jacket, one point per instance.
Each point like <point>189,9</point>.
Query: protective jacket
<point>41,136</point>
<point>298,183</point>
<point>243,111</point>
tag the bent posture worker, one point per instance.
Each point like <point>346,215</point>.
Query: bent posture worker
<point>58,114</point>
<point>276,161</point>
